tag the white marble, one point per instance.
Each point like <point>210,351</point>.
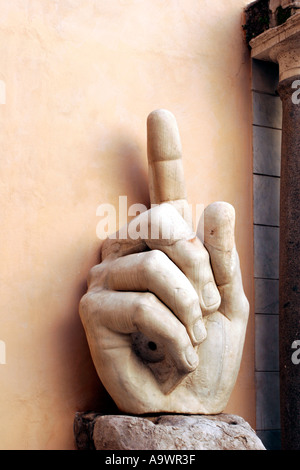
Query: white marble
<point>165,315</point>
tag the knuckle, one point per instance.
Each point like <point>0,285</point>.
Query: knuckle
<point>210,296</point>
<point>108,246</point>
<point>95,274</point>
<point>181,333</point>
<point>143,307</point>
<point>202,257</point>
<point>147,316</point>
<point>92,314</point>
<point>246,306</point>
<point>84,306</point>
<point>166,211</point>
<point>148,302</point>
<point>191,301</point>
<point>188,298</point>
<point>154,260</point>
<point>205,255</point>
<point>197,257</point>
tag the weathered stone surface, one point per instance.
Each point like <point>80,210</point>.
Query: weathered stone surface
<point>262,15</point>
<point>165,432</point>
<point>289,284</point>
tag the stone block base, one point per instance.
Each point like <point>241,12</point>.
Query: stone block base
<point>94,431</point>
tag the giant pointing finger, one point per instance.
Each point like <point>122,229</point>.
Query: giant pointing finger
<point>166,175</point>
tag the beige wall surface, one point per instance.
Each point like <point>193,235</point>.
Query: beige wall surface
<point>78,79</point>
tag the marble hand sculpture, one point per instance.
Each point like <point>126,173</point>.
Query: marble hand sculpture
<point>165,313</point>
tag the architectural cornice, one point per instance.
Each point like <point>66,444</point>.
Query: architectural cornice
<point>280,44</point>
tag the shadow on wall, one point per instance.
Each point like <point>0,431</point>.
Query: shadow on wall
<point>80,380</point>
<point>131,168</point>
<point>122,163</point>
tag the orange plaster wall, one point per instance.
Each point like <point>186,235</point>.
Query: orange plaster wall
<point>81,76</point>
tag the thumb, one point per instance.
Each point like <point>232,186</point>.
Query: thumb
<point>219,240</point>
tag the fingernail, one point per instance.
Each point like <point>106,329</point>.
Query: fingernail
<point>191,356</point>
<point>210,294</point>
<point>199,331</point>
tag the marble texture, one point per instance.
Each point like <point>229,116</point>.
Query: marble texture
<point>165,314</point>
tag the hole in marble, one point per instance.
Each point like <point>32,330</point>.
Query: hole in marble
<point>152,346</point>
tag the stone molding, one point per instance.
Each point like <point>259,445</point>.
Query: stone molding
<point>281,45</point>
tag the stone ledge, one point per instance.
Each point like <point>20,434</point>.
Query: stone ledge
<point>263,15</point>
<point>94,431</point>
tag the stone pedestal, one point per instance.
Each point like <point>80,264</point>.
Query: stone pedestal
<point>282,45</point>
<point>166,432</point>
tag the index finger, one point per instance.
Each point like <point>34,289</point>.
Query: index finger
<point>166,176</point>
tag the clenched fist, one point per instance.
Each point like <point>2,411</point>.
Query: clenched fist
<point>165,313</point>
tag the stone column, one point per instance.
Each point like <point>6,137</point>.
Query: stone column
<point>282,45</point>
<point>289,283</point>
